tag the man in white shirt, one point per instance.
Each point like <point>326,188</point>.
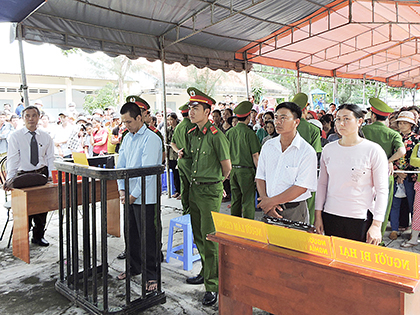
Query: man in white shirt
<point>20,160</point>
<point>62,136</point>
<point>5,130</point>
<point>286,173</point>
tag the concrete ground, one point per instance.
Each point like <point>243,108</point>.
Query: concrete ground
<point>29,288</point>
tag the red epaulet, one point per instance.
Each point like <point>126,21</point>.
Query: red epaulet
<point>213,130</point>
<point>192,129</point>
<point>153,129</point>
<point>212,121</point>
<point>204,130</point>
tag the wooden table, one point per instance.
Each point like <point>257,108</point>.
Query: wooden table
<point>282,281</point>
<point>34,200</point>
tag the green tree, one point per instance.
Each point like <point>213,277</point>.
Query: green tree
<point>204,79</point>
<point>121,67</point>
<point>107,96</point>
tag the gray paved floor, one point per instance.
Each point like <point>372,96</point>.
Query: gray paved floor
<point>29,288</point>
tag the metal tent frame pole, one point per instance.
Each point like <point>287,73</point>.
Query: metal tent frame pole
<point>22,67</point>
<point>246,77</point>
<point>364,90</point>
<point>165,121</point>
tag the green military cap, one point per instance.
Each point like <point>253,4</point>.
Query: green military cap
<point>184,108</point>
<point>198,96</point>
<point>243,109</point>
<point>138,100</point>
<point>300,99</point>
<point>380,107</point>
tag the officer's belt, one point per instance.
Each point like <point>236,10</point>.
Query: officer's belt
<point>291,205</point>
<point>239,166</point>
<point>205,183</point>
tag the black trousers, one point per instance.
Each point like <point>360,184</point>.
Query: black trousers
<point>172,165</point>
<point>352,229</point>
<point>151,238</point>
<point>39,220</point>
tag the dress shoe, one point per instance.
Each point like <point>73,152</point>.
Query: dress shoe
<point>40,241</point>
<point>122,255</point>
<point>196,280</point>
<point>394,235</point>
<point>209,298</point>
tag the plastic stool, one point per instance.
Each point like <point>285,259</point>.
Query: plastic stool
<point>188,245</point>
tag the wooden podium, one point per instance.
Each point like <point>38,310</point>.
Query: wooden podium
<point>34,200</point>
<point>282,281</point>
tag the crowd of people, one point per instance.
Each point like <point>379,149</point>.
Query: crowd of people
<point>346,170</point>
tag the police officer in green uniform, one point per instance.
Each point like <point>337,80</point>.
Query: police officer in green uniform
<point>244,152</point>
<point>181,145</point>
<point>311,134</point>
<point>210,166</point>
<point>389,139</point>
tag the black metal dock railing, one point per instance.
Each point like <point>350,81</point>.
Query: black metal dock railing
<point>84,277</point>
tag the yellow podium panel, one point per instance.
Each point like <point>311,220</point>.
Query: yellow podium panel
<point>300,240</point>
<point>380,258</point>
<point>249,229</point>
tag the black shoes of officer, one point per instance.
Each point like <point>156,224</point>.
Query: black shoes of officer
<point>209,298</point>
<point>196,280</point>
<point>122,255</point>
<point>40,241</point>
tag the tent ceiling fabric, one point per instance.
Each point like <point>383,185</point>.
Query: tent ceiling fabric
<point>17,10</point>
<point>371,39</point>
<point>200,32</point>
<point>376,40</point>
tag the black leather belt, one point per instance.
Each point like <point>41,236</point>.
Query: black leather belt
<point>239,166</point>
<point>291,205</point>
<point>205,183</point>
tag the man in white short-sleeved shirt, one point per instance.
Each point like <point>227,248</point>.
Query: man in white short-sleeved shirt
<point>286,173</point>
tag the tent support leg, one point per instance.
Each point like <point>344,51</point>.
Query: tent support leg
<point>364,90</point>
<point>22,67</point>
<point>246,79</point>
<point>165,120</point>
<point>298,81</point>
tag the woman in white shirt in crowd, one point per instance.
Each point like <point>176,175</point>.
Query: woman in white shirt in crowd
<point>352,192</point>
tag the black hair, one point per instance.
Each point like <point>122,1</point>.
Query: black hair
<point>327,119</point>
<point>243,118</point>
<point>414,108</point>
<point>88,125</point>
<point>357,112</point>
<point>217,111</point>
<point>32,107</point>
<point>270,122</point>
<point>184,114</point>
<point>2,113</point>
<point>269,113</point>
<point>173,115</point>
<point>356,109</point>
<point>380,117</point>
<point>132,108</point>
<point>295,109</point>
<point>229,110</point>
<point>154,119</point>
